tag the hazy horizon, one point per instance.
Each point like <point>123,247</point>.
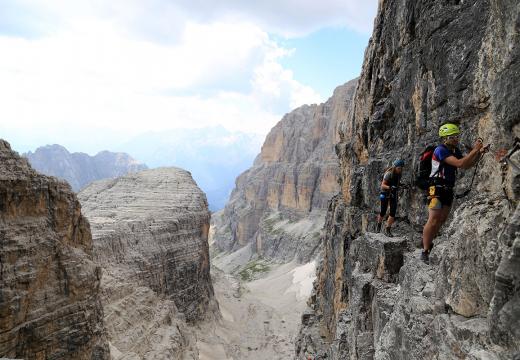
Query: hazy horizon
<point>92,75</point>
<point>214,156</point>
<point>183,84</point>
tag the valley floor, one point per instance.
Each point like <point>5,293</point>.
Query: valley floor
<point>260,318</point>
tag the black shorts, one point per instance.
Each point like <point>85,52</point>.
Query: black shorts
<point>439,196</point>
<point>388,198</point>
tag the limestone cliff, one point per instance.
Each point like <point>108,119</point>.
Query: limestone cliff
<point>278,205</point>
<point>150,232</point>
<point>427,62</point>
<point>49,286</point>
<point>80,169</point>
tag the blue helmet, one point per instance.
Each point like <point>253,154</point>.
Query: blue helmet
<point>398,163</point>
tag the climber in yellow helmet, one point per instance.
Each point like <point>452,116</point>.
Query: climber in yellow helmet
<point>446,158</point>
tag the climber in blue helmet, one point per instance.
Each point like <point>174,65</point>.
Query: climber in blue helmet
<point>389,195</point>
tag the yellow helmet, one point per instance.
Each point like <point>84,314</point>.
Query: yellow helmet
<point>448,129</point>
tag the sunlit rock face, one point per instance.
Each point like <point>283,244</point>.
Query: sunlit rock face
<point>279,204</point>
<point>426,63</point>
<point>50,304</point>
<point>80,169</point>
<point>150,232</point>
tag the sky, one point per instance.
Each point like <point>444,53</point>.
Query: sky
<point>92,74</point>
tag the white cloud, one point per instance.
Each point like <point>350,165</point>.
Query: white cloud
<point>273,85</point>
<point>96,70</point>
<point>93,78</point>
<point>300,17</point>
<point>164,19</point>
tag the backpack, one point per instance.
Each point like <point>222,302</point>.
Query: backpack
<point>424,168</point>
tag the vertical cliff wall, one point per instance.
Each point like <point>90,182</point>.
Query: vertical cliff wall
<point>278,205</point>
<point>49,286</point>
<point>150,232</point>
<point>427,62</point>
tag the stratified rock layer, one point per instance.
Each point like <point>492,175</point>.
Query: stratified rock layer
<point>49,286</point>
<point>150,233</point>
<point>80,169</point>
<point>427,62</point>
<point>278,205</point>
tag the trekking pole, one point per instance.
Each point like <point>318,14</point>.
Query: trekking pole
<point>459,196</point>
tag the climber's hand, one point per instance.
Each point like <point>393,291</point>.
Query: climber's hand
<point>478,144</point>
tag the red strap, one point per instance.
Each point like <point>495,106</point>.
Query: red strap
<point>426,155</point>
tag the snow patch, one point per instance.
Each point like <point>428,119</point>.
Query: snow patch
<point>303,277</point>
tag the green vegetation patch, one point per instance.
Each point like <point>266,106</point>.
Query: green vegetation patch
<point>252,269</point>
<point>269,223</point>
<point>274,224</point>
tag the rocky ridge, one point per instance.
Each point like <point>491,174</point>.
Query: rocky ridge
<point>278,205</point>
<point>150,232</point>
<point>50,304</point>
<point>427,62</point>
<point>80,169</point>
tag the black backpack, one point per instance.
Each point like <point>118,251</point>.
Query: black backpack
<point>424,168</point>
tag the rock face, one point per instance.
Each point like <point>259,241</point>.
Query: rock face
<point>49,286</point>
<point>80,169</point>
<point>150,232</point>
<point>278,204</point>
<point>427,62</point>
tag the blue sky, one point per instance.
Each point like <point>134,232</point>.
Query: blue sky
<point>92,74</point>
<point>326,57</point>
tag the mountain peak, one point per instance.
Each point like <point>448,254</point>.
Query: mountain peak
<point>79,169</point>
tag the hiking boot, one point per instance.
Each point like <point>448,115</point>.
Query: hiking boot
<point>378,227</point>
<point>425,257</point>
<point>387,232</point>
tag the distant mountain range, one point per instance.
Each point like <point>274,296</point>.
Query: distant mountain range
<point>214,156</point>
<point>80,169</point>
